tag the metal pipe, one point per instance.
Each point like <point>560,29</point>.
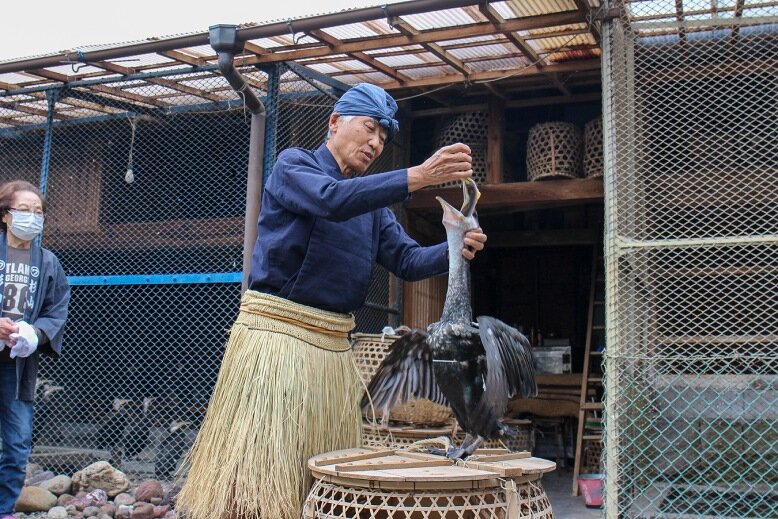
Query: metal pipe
<point>223,39</point>
<point>253,192</point>
<point>248,33</point>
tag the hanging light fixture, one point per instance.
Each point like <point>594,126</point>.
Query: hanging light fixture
<point>129,176</point>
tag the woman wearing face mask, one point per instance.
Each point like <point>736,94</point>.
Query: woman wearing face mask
<point>35,296</point>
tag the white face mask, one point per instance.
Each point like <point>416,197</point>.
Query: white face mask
<point>25,225</point>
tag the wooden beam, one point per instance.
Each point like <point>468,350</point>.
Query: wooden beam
<point>405,28</point>
<point>518,103</point>
<point>544,238</point>
<point>430,36</point>
<point>494,145</point>
<point>497,20</point>
<point>146,100</point>
<point>361,56</point>
<point>184,58</point>
<point>517,195</point>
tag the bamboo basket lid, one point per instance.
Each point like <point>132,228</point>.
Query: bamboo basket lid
<point>388,468</point>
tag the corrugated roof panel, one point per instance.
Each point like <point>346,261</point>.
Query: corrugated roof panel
<point>560,43</point>
<point>573,55</point>
<point>373,77</point>
<point>19,98</point>
<point>555,29</point>
<point>425,72</point>
<point>508,64</point>
<point>483,51</point>
<point>351,31</point>
<point>83,112</point>
<point>522,8</point>
<point>31,119</point>
<point>76,69</point>
<point>185,100</point>
<point>14,78</point>
<point>206,83</point>
<point>402,60</point>
<point>141,60</point>
<point>388,50</point>
<point>151,90</point>
<point>124,84</point>
<point>324,68</point>
<point>438,19</point>
<point>475,39</point>
<point>200,51</point>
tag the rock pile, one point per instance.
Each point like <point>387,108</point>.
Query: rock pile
<point>99,490</point>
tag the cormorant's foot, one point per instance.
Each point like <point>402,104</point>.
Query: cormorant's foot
<point>452,453</point>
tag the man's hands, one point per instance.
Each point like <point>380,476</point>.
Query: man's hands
<point>20,336</point>
<point>475,240</point>
<point>448,163</point>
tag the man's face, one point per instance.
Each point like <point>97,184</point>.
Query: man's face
<point>355,143</point>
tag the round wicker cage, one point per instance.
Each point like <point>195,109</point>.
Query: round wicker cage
<point>554,151</point>
<point>471,129</point>
<point>369,350</point>
<point>332,500</point>
<point>399,484</point>
<point>593,163</point>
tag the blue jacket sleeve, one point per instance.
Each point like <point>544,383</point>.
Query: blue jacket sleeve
<point>54,309</point>
<point>300,185</point>
<point>401,255</point>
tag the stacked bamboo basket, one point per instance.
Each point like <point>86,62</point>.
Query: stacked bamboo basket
<point>561,150</point>
<point>417,420</point>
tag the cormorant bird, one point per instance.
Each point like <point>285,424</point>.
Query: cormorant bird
<point>139,431</point>
<point>475,367</point>
<point>170,450</point>
<point>111,431</point>
<point>45,404</point>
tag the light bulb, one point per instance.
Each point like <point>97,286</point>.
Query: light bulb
<point>129,177</point>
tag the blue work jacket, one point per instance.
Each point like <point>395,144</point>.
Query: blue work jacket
<point>319,233</point>
<point>46,310</point>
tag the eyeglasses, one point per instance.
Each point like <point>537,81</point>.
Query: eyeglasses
<point>37,212</point>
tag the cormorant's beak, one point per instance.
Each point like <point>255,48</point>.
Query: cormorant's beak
<point>451,215</point>
<point>470,195</point>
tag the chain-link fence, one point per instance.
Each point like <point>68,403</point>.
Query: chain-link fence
<point>147,196</point>
<point>690,117</point>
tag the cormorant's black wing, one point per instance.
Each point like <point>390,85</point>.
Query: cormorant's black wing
<point>405,373</point>
<point>509,364</point>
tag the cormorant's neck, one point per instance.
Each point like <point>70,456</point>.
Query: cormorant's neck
<point>457,306</point>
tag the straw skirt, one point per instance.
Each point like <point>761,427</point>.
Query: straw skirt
<point>287,389</point>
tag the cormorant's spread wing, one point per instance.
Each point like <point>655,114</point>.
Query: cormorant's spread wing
<point>510,368</point>
<point>405,373</point>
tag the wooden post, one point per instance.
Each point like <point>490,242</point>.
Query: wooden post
<point>494,164</point>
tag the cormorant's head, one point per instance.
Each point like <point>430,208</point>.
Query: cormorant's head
<point>465,218</point>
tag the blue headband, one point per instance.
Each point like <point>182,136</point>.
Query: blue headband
<point>370,101</point>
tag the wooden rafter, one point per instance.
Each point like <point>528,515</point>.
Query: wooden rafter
<point>494,17</point>
<point>333,42</point>
<point>576,66</point>
<point>430,36</point>
<point>184,58</point>
<point>117,92</point>
<point>435,48</point>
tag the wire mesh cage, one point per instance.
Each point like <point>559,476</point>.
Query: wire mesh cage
<point>691,176</point>
<point>146,184</point>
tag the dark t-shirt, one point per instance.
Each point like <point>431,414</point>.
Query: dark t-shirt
<point>16,286</point>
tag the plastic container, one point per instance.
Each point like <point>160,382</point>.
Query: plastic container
<point>591,486</point>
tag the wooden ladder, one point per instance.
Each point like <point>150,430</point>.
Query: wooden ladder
<point>591,406</point>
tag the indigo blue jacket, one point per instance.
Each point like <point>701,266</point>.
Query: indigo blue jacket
<point>46,310</point>
<point>319,233</point>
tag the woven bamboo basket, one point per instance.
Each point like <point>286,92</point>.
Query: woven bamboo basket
<point>524,441</point>
<point>396,484</point>
<point>369,351</point>
<point>554,151</point>
<point>470,128</point>
<point>395,437</point>
<point>593,163</point>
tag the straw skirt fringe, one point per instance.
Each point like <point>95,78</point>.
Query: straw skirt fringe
<point>287,389</point>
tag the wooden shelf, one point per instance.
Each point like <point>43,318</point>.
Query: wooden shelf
<point>516,195</point>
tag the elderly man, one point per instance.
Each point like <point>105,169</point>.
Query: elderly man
<point>287,387</point>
